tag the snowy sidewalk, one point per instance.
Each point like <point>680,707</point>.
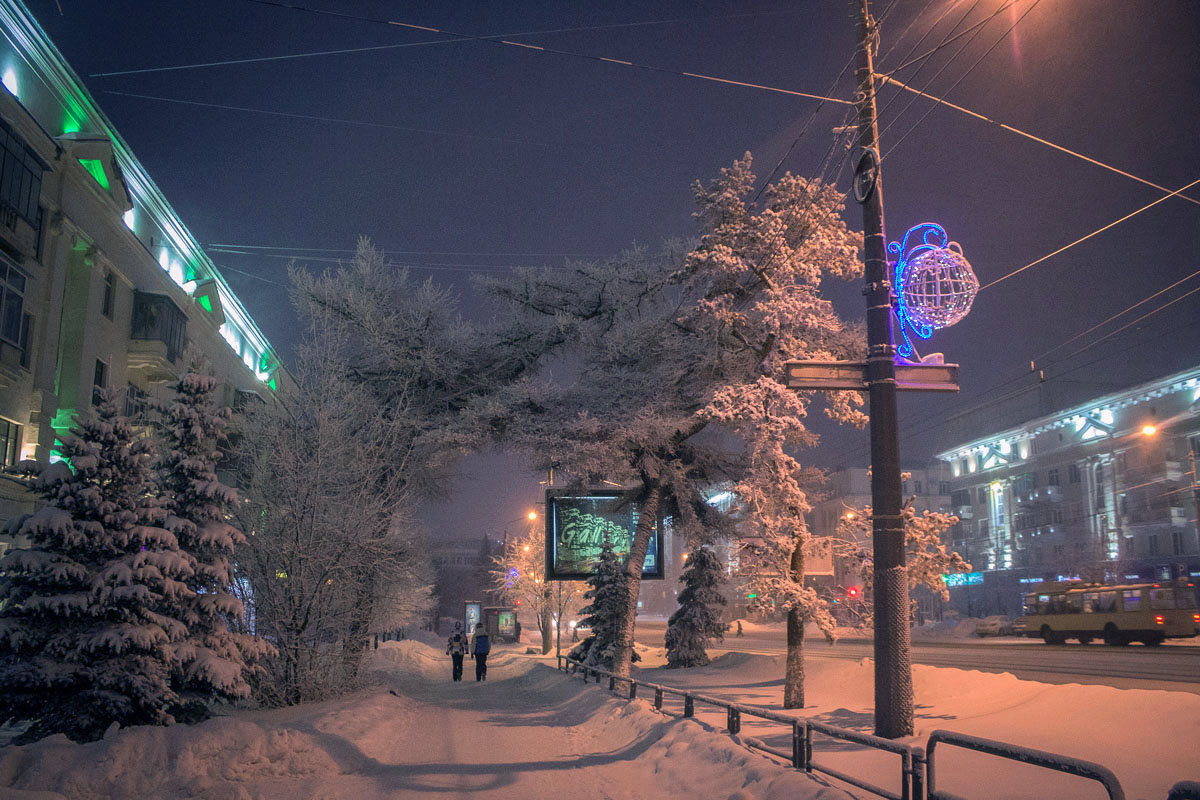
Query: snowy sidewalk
<point>527,732</point>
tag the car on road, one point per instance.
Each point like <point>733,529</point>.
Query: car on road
<point>994,626</point>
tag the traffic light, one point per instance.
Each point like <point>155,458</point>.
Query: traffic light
<point>853,592</point>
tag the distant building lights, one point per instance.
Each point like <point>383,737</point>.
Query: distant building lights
<point>10,82</point>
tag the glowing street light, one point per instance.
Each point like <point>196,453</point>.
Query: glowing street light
<point>1149,430</point>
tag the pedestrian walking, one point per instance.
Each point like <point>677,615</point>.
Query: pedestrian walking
<point>739,633</point>
<point>456,648</point>
<point>481,645</point>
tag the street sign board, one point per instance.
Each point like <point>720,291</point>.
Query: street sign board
<point>834,375</point>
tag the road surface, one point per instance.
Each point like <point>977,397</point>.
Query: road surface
<point>1133,667</point>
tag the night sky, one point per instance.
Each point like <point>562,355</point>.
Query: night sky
<point>476,155</point>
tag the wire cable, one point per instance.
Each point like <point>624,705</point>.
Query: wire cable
<point>1027,135</point>
<point>553,51</point>
<point>1090,235</point>
<point>349,50</point>
<point>312,117</point>
<point>963,77</point>
<point>218,247</point>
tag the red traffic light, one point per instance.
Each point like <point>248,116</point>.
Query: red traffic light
<point>852,592</point>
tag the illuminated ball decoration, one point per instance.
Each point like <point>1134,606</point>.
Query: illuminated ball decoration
<point>934,283</point>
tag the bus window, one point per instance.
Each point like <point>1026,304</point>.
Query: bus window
<point>1184,598</point>
<point>1074,603</point>
<point>1132,600</point>
<point>1108,602</point>
<point>1058,604</point>
<point>1043,604</point>
<point>1029,605</point>
<point>1162,598</point>
<point>1091,602</point>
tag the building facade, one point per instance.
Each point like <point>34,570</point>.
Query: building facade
<point>102,286</point>
<point>1102,490</point>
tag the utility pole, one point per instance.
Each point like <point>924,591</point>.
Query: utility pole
<point>893,664</point>
<point>1195,490</point>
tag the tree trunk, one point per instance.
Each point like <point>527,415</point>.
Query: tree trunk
<point>647,518</point>
<point>793,682</point>
<point>546,620</point>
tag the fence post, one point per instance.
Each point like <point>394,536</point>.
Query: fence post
<point>689,706</point>
<point>598,676</point>
<point>633,690</point>
<point>733,721</point>
<point>612,683</point>
<point>918,774</point>
<point>807,748</point>
<point>798,759</point>
<point>658,698</point>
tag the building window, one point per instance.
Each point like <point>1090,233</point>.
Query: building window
<point>156,317</point>
<point>917,488</point>
<point>135,402</point>
<point>109,291</point>
<point>1052,477</point>
<point>26,329</point>
<point>1152,541</point>
<point>12,302</point>
<point>20,176</point>
<point>10,442</point>
<point>99,382</point>
<point>1074,475</point>
<point>943,487</point>
<point>1177,542</point>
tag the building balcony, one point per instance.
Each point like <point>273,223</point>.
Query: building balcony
<point>17,236</point>
<point>149,360</point>
<point>1038,497</point>
<point>964,512</point>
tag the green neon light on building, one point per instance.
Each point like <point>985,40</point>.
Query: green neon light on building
<point>96,169</point>
<point>206,303</point>
<point>273,385</point>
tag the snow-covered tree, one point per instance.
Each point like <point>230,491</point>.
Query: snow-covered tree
<point>519,575</point>
<point>927,559</point>
<point>697,621</point>
<point>91,609</point>
<point>675,349</point>
<point>213,662</point>
<point>607,594</point>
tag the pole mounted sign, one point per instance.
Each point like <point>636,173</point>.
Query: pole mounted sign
<point>852,375</point>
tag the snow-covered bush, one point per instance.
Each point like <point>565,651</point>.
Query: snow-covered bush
<point>92,611</point>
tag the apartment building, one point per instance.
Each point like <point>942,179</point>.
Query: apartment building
<point>1104,489</point>
<point>102,286</point>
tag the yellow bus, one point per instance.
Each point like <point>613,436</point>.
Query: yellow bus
<point>1138,612</point>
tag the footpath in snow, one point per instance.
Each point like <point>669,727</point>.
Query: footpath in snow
<point>526,733</point>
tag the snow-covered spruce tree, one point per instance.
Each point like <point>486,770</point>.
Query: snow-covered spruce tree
<point>213,662</point>
<point>697,621</point>
<point>607,596</point>
<point>92,608</point>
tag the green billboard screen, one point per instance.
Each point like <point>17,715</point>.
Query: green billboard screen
<point>577,525</point>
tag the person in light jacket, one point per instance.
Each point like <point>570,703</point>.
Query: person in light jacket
<point>481,645</point>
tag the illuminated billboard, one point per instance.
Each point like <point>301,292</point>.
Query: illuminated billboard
<point>577,525</point>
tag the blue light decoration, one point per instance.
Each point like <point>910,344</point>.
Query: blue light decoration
<point>512,577</point>
<point>934,284</point>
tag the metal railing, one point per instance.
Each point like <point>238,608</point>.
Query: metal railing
<point>912,759</point>
<point>917,765</point>
<point>1026,755</point>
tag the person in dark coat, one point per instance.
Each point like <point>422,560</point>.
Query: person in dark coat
<point>481,645</point>
<point>456,648</point>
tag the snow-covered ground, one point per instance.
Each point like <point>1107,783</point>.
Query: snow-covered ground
<point>530,732</point>
<point>527,732</point>
<point>1148,738</point>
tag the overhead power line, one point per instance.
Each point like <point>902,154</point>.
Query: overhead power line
<point>362,123</point>
<point>389,251</point>
<point>1090,235</point>
<point>551,51</point>
<point>1027,135</point>
<point>400,46</point>
<point>963,77</point>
